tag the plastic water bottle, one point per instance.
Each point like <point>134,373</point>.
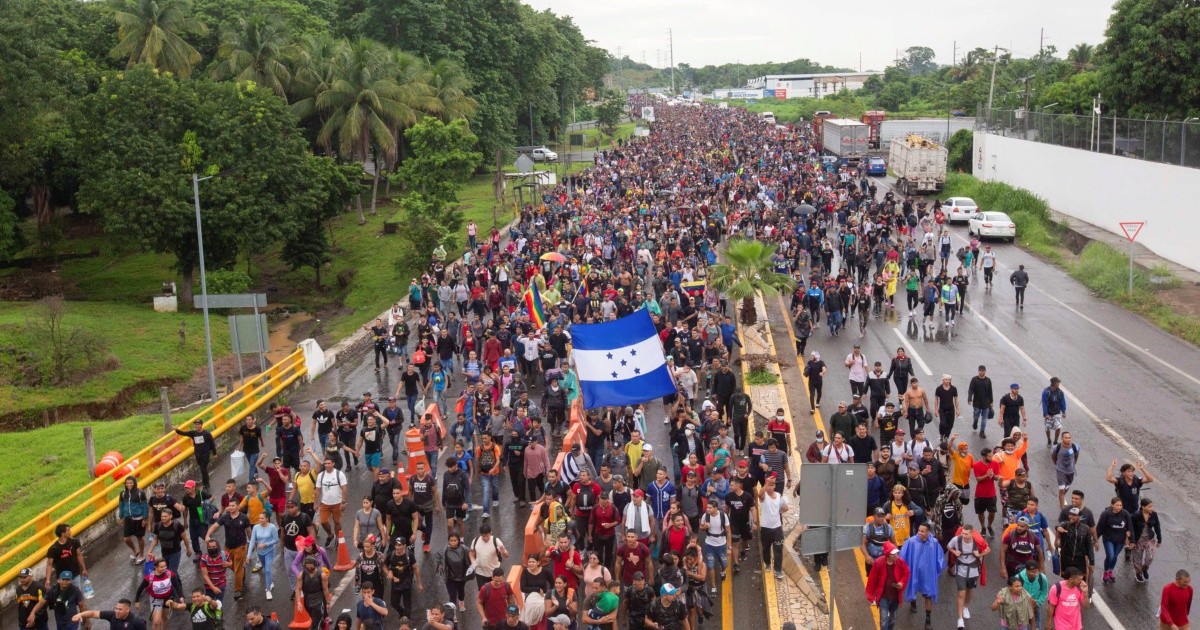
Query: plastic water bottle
<point>88,591</point>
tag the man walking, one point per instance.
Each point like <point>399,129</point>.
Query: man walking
<point>205,447</point>
<point>1019,279</point>
<point>1054,409</point>
<point>980,397</point>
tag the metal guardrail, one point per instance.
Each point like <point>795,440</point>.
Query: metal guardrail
<point>28,544</point>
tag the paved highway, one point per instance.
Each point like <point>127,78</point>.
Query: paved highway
<point>114,578</point>
<point>1132,392</point>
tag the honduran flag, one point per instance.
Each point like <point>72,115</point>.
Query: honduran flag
<point>533,304</point>
<point>620,362</point>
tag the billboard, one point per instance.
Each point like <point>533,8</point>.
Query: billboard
<point>737,93</point>
<point>780,94</point>
<point>768,94</point>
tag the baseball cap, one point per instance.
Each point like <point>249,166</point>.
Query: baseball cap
<point>858,397</point>
<point>820,435</point>
<point>637,575</point>
<point>385,471</point>
<point>880,512</point>
<point>26,572</point>
<point>668,589</point>
<point>561,620</point>
<point>67,575</point>
<point>639,493</point>
<point>1023,520</point>
<point>513,610</point>
<point>899,431</point>
<point>648,447</point>
<point>1014,386</point>
<point>189,484</point>
<point>1074,512</point>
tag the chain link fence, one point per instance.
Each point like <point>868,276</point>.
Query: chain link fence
<point>1167,141</point>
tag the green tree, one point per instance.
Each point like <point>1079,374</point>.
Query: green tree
<point>443,158</point>
<point>10,229</point>
<point>749,270</point>
<point>1082,57</point>
<point>152,31</point>
<point>960,150</point>
<point>608,114</point>
<point>255,50</point>
<point>1073,95</point>
<point>308,245</point>
<point>297,18</point>
<point>918,60</point>
<point>450,86</point>
<point>1148,59</point>
<point>894,96</point>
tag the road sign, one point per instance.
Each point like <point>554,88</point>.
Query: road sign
<point>523,164</point>
<point>1131,229</point>
<point>232,300</point>
<point>781,94</point>
<point>816,539</point>
<point>248,333</point>
<point>576,139</point>
<point>768,93</point>
<point>819,481</point>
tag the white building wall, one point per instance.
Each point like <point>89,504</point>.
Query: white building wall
<point>1101,189</point>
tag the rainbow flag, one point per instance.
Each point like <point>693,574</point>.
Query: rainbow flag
<point>533,304</point>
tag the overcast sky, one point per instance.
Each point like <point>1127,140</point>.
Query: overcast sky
<point>832,33</point>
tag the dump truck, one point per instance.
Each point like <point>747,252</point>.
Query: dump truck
<point>919,165</point>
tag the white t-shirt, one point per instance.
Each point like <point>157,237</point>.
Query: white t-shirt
<point>770,511</point>
<point>716,535</point>
<point>487,555</point>
<point>838,456</point>
<point>331,484</point>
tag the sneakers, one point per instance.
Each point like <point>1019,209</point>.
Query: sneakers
<point>737,568</point>
<point>270,596</point>
<point>712,590</point>
<point>722,576</point>
<point>912,606</point>
<point>961,623</point>
<point>966,613</point>
<point>779,575</point>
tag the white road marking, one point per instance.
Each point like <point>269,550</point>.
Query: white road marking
<point>912,352</point>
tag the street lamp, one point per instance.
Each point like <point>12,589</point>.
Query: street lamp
<point>212,375</point>
<point>1183,140</point>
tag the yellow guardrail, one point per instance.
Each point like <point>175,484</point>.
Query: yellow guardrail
<point>86,506</point>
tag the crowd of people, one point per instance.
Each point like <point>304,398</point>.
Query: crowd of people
<point>636,534</point>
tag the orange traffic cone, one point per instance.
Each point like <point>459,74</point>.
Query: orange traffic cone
<point>344,563</point>
<point>300,618</point>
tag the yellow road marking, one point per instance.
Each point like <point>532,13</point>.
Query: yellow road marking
<point>727,601</point>
<point>858,555</point>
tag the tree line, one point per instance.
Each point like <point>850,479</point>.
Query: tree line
<point>111,106</point>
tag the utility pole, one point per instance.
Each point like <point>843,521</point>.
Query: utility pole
<point>860,62</point>
<point>954,55</point>
<point>992,88</point>
<point>671,43</point>
<point>1025,114</point>
<point>1041,42</point>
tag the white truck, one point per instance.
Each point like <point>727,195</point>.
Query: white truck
<point>919,165</point>
<point>538,153</point>
<point>845,139</point>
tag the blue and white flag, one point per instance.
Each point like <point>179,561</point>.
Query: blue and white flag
<point>620,362</point>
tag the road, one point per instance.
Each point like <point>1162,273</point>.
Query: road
<point>114,578</point>
<point>1131,395</point>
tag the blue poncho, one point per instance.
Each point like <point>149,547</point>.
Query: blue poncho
<point>926,561</point>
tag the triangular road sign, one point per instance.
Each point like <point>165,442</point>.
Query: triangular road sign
<point>1131,229</point>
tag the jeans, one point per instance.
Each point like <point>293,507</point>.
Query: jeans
<point>289,557</point>
<point>491,491</point>
<point>266,557</point>
<point>173,560</point>
<point>887,613</point>
<point>251,470</point>
<point>1112,552</point>
<point>979,416</point>
<point>772,546</point>
<point>196,533</point>
<point>395,439</point>
<point>432,456</point>
<point>835,321</point>
<point>412,408</point>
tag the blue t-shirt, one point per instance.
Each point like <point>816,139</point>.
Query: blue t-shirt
<point>369,617</point>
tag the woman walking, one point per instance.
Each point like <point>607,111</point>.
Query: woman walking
<point>1147,536</point>
<point>1014,605</point>
<point>133,508</point>
<point>1113,529</point>
<point>264,541</point>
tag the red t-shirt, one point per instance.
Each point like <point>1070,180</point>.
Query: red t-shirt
<point>632,561</point>
<point>494,601</point>
<point>586,497</point>
<point>278,482</point>
<point>558,562</point>
<point>985,488</point>
<point>1176,602</point>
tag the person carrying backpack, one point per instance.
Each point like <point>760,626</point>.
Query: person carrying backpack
<point>1065,456</point>
<point>715,525</point>
<point>204,611</point>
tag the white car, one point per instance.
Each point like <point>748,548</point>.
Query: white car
<point>959,209</point>
<point>542,154</point>
<point>992,225</point>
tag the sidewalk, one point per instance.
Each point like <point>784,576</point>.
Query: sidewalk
<point>1080,233</point>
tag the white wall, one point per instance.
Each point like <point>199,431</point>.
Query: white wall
<point>1102,189</point>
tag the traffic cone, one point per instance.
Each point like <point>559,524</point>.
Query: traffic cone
<point>344,563</point>
<point>300,618</point>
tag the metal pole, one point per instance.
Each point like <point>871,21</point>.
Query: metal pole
<point>165,399</point>
<point>992,87</point>
<point>1162,152</point>
<point>1114,137</point>
<point>531,123</point>
<point>833,525</point>
<point>237,348</point>
<point>212,375</point>
<point>262,346</point>
<point>89,447</point>
<point>1130,267</point>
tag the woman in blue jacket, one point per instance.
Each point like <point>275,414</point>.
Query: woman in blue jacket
<point>133,508</point>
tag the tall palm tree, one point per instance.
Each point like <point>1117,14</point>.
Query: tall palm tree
<point>973,64</point>
<point>364,105</point>
<point>1082,57</point>
<point>315,60</point>
<point>256,51</point>
<point>450,85</point>
<point>151,31</point>
<point>749,271</point>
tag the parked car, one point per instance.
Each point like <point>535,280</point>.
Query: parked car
<point>992,225</point>
<point>959,209</point>
<point>543,154</point>
<point>876,166</point>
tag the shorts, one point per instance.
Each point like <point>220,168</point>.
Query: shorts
<point>334,511</point>
<point>965,583</point>
<point>670,399</point>
<point>291,460</point>
<point>455,512</point>
<point>135,528</point>
<point>1064,479</point>
<point>278,504</point>
<point>1054,423</point>
<point>985,504</point>
<point>157,604</point>
<point>372,460</point>
<point>716,554</point>
<point>741,532</point>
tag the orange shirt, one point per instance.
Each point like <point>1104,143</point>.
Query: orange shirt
<point>1010,463</point>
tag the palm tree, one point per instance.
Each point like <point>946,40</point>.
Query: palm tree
<point>973,64</point>
<point>151,31</point>
<point>450,85</point>
<point>255,51</point>
<point>1082,57</point>
<point>364,105</point>
<point>750,270</point>
<point>315,60</point>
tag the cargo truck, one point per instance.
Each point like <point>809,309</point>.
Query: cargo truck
<point>919,165</point>
<point>845,139</point>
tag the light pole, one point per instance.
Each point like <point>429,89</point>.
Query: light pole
<point>992,85</point>
<point>1183,140</point>
<point>212,375</point>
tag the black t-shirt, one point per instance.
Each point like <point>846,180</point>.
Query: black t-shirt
<point>1012,407</point>
<point>205,616</point>
<point>347,433</point>
<point>324,420</point>
<point>401,515</point>
<point>945,397</point>
<point>370,570</point>
<point>503,625</point>
<point>64,601</point>
<point>65,556</point>
<point>412,383</point>
<point>294,526</point>
<point>27,598</point>
<point>251,439</point>
<point>193,505</point>
<point>667,617</point>
<point>862,448</point>
<point>422,491</point>
<point>403,568</point>
<point>130,622</point>
<point>159,504</point>
<point>235,530</point>
<point>372,439</point>
<point>170,537</point>
<point>379,334</point>
<point>739,508</point>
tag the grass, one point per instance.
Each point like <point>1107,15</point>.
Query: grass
<point>145,342</point>
<point>53,463</point>
<point>761,377</point>
<point>1100,267</point>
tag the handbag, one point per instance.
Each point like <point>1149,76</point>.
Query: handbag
<point>991,413</point>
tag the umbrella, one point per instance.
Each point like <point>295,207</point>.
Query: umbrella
<point>805,210</point>
<point>554,257</point>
